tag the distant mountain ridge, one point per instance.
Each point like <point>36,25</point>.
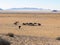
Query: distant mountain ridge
<point>25,9</point>
<point>28,10</point>
<point>1,9</point>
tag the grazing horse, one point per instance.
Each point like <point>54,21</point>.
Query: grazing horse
<point>39,24</point>
<point>16,22</point>
<point>19,27</point>
<point>30,24</point>
<point>24,23</point>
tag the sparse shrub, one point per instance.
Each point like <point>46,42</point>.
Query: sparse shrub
<point>4,42</point>
<point>10,34</point>
<point>58,38</point>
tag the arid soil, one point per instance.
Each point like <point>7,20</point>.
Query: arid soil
<point>30,40</point>
<point>50,24</point>
<point>45,34</point>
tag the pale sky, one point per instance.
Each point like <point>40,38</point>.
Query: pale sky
<point>46,4</point>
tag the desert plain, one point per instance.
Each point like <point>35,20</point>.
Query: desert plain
<point>44,34</point>
<point>50,24</point>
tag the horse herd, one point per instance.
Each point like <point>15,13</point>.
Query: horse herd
<point>27,24</point>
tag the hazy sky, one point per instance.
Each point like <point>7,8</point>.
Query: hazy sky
<point>46,4</point>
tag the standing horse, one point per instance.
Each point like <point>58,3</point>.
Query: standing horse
<point>19,27</point>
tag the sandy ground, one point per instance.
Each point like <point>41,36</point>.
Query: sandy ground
<point>50,24</point>
<point>29,40</point>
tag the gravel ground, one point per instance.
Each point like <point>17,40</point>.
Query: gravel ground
<point>29,40</point>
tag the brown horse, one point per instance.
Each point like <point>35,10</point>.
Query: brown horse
<point>16,23</point>
<point>19,27</point>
